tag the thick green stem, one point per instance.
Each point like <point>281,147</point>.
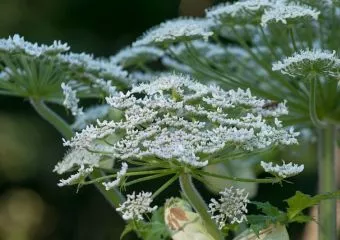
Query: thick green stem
<point>327,181</point>
<point>51,117</point>
<point>312,105</point>
<point>113,196</point>
<point>199,205</point>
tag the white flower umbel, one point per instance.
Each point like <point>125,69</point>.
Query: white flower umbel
<point>239,12</point>
<point>17,44</point>
<point>287,13</point>
<point>230,207</point>
<point>178,120</point>
<point>116,182</point>
<point>136,205</point>
<point>284,171</point>
<point>136,55</point>
<point>71,100</point>
<point>308,62</point>
<point>175,30</point>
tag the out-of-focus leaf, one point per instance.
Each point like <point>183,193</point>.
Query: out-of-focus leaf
<point>274,232</point>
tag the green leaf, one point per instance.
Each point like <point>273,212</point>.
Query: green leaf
<point>272,216</point>
<point>156,229</point>
<point>273,232</point>
<point>301,201</point>
<point>128,228</point>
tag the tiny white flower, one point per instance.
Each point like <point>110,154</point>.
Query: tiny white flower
<point>82,172</point>
<point>284,171</point>
<point>116,182</point>
<point>136,205</point>
<point>285,13</point>
<point>230,207</point>
<point>172,30</point>
<point>71,100</point>
<point>131,55</point>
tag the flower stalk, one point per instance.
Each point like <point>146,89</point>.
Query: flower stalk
<point>199,205</point>
<point>327,181</point>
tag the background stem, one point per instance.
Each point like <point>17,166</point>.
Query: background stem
<point>327,181</point>
<point>199,205</point>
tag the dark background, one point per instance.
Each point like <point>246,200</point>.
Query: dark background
<point>32,207</point>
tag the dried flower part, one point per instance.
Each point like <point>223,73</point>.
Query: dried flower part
<point>231,207</point>
<point>136,206</point>
<point>120,175</point>
<point>70,99</point>
<point>307,63</point>
<point>243,12</point>
<point>284,171</point>
<point>137,55</point>
<point>183,222</point>
<point>288,14</point>
<point>182,29</point>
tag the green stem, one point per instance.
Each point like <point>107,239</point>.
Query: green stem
<point>327,181</point>
<point>257,180</point>
<point>114,196</point>
<point>51,117</point>
<point>199,205</point>
<point>165,186</point>
<point>291,34</point>
<point>312,104</point>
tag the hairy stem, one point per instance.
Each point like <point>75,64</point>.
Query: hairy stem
<point>327,181</point>
<point>199,205</point>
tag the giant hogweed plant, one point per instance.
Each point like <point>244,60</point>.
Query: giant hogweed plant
<point>250,59</point>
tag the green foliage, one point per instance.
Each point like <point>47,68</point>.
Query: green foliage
<point>153,230</point>
<point>294,211</point>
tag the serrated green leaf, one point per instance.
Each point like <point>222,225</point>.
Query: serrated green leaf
<point>301,201</point>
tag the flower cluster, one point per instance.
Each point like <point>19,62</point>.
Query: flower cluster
<point>284,171</point>
<point>116,182</point>
<point>136,205</point>
<point>71,100</point>
<point>29,68</point>
<point>175,30</point>
<point>180,120</point>
<point>307,62</point>
<point>231,207</point>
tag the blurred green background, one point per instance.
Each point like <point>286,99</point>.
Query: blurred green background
<point>32,207</point>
